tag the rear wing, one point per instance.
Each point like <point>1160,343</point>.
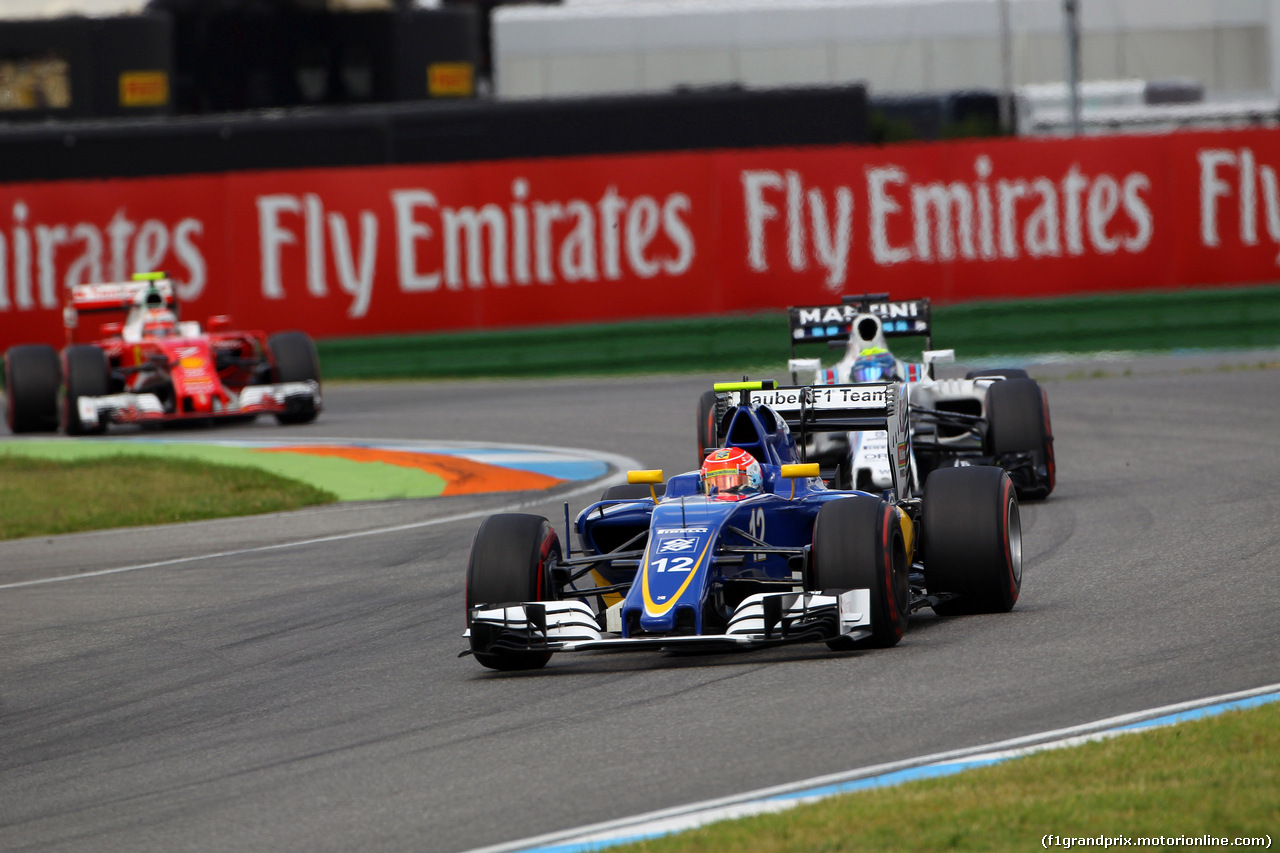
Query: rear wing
<point>833,408</point>
<point>856,407</point>
<point>117,296</point>
<point>114,296</point>
<point>834,323</point>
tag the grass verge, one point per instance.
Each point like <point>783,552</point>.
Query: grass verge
<point>1215,318</point>
<point>39,497</point>
<point>1218,776</point>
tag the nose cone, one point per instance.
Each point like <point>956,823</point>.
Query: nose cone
<point>658,624</point>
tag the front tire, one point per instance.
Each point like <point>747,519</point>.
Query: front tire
<point>858,544</point>
<point>31,379</point>
<point>294,355</point>
<point>511,561</point>
<point>1018,422</point>
<point>87,374</point>
<point>971,538</point>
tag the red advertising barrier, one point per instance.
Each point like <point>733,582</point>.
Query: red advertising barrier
<point>358,251</point>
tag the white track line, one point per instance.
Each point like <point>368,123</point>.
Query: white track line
<point>601,836</point>
<point>618,463</point>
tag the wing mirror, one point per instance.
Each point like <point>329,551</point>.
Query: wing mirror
<point>799,365</point>
<point>937,356</point>
<point>806,471</point>
<point>649,478</point>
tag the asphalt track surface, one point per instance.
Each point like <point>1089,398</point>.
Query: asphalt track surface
<point>310,697</point>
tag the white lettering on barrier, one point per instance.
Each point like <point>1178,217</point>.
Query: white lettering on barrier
<point>480,245</point>
<point>355,280</point>
<point>272,237</point>
<point>34,252</point>
<point>983,220</point>
<point>831,235</point>
<point>547,241</point>
<point>1006,218</point>
<point>408,232</point>
<point>1252,180</point>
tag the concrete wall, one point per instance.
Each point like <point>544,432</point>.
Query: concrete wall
<point>895,46</point>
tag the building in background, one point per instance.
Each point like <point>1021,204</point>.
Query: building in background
<point>1221,53</point>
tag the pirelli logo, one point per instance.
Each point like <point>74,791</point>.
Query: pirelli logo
<point>450,80</point>
<point>144,88</point>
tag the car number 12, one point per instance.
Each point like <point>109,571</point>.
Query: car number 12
<point>672,564</point>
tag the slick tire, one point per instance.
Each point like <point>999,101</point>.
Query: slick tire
<point>628,491</point>
<point>858,544</point>
<point>86,373</point>
<point>294,355</point>
<point>1018,422</point>
<point>706,424</point>
<point>1006,372</point>
<point>971,539</point>
<point>511,561</point>
<point>32,375</point>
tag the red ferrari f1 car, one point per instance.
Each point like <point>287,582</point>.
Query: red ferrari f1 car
<point>154,368</point>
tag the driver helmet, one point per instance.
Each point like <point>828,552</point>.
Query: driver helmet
<point>159,323</point>
<point>731,474</point>
<point>874,364</point>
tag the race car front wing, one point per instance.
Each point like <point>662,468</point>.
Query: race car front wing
<point>252,400</point>
<point>765,619</point>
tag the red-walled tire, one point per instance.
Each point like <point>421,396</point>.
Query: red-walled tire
<point>858,544</point>
<point>971,539</point>
<point>31,379</point>
<point>706,424</point>
<point>511,561</point>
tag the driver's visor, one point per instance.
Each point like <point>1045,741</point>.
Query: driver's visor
<point>725,480</point>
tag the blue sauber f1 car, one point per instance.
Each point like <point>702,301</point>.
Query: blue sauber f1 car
<point>753,550</point>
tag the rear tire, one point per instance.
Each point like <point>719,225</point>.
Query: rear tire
<point>294,354</point>
<point>971,539</point>
<point>706,424</point>
<point>31,379</point>
<point>511,561</point>
<point>1018,422</point>
<point>858,544</point>
<point>86,373</point>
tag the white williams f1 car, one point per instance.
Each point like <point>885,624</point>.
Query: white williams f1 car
<point>991,417</point>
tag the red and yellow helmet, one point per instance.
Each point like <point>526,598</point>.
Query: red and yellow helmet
<point>731,474</point>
